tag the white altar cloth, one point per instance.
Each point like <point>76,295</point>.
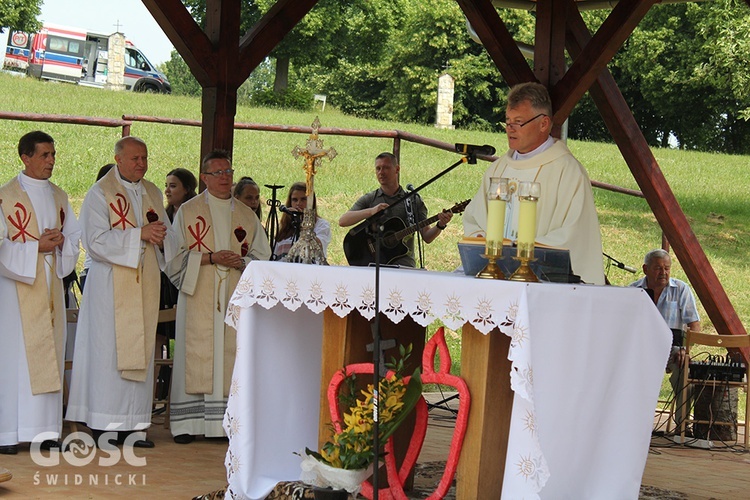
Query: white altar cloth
<point>582,416</point>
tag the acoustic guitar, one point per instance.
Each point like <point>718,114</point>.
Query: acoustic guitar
<point>359,242</point>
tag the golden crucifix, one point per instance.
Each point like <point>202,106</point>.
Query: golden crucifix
<point>313,154</point>
<point>308,249</point>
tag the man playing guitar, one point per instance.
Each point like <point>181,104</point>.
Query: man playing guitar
<point>387,171</point>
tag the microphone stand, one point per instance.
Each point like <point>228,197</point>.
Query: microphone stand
<point>376,220</point>
<point>415,212</point>
<point>272,223</point>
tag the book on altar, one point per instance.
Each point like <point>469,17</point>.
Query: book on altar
<point>550,264</point>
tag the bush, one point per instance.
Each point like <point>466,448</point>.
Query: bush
<point>289,98</point>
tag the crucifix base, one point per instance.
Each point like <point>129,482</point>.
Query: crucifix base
<point>307,249</point>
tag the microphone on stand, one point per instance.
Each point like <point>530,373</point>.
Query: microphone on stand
<point>620,265</point>
<point>289,211</point>
<point>471,149</point>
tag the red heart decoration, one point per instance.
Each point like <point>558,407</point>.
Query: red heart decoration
<point>397,476</point>
<point>415,444</point>
<point>244,248</point>
<point>429,376</point>
<point>151,215</point>
<point>240,233</point>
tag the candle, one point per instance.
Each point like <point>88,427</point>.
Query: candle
<point>495,225</point>
<point>497,196</point>
<point>526,227</point>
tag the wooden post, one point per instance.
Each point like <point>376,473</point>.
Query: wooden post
<point>486,369</point>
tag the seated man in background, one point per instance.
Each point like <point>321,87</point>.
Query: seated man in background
<point>566,215</point>
<point>675,301</point>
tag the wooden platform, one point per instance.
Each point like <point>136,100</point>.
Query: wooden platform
<point>184,471</point>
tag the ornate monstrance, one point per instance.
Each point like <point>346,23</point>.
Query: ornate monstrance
<point>308,249</point>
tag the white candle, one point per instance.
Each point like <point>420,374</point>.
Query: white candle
<point>495,225</point>
<point>526,227</point>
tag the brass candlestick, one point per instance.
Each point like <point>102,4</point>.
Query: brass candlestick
<point>491,271</point>
<point>524,271</point>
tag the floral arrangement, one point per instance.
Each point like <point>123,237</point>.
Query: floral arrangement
<point>350,449</point>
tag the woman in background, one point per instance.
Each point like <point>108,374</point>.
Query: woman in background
<point>179,187</point>
<point>248,192</point>
<point>289,226</point>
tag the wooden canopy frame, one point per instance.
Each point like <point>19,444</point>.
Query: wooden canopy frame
<point>220,65</point>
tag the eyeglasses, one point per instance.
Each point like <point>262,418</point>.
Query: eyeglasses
<point>219,173</point>
<point>517,126</point>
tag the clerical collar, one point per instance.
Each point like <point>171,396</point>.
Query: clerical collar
<point>216,199</point>
<point>125,182</point>
<point>30,181</point>
<point>541,149</point>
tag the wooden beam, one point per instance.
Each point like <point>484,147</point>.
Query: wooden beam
<point>497,40</point>
<point>257,43</point>
<point>636,152</point>
<point>549,48</point>
<point>219,100</point>
<point>186,36</point>
<point>596,54</point>
<point>549,42</point>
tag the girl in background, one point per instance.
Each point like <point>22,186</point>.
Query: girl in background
<point>179,188</point>
<point>289,226</point>
<point>248,192</point>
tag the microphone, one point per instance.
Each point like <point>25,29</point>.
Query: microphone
<point>619,264</point>
<point>289,211</point>
<point>471,149</point>
<point>625,267</point>
<point>410,187</point>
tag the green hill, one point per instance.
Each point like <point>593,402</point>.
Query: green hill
<point>713,189</point>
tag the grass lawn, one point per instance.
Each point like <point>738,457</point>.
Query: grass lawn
<point>713,189</point>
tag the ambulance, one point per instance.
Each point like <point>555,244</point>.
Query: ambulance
<point>17,51</point>
<point>75,55</point>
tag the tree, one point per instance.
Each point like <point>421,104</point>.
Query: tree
<point>182,80</point>
<point>21,15</point>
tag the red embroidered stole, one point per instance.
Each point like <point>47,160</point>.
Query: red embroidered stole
<point>201,306</point>
<point>42,305</point>
<point>135,291</point>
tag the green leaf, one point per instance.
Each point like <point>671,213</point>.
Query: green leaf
<point>412,395</point>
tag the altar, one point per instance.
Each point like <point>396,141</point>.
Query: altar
<point>584,363</point>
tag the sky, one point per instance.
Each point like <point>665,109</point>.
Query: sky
<point>102,16</point>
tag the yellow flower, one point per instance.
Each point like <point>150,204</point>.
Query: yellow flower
<point>351,448</point>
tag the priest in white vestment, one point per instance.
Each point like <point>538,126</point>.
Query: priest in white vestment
<point>218,236</point>
<point>128,236</point>
<point>39,237</point>
<point>566,214</point>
